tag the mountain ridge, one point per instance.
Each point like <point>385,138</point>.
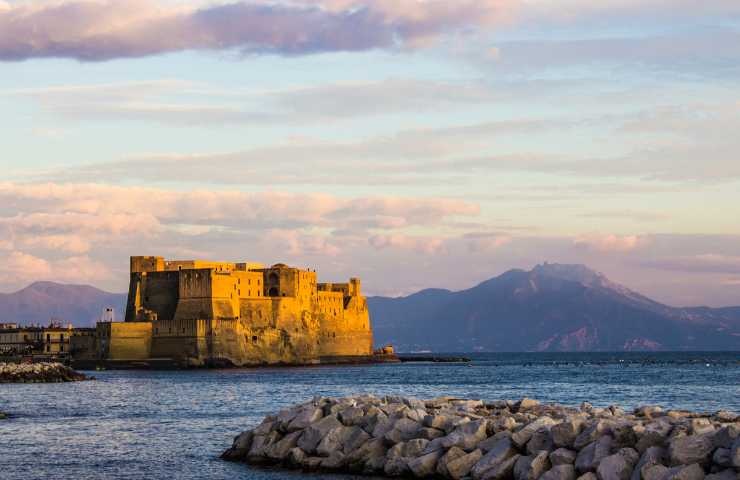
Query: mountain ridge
<point>552,307</point>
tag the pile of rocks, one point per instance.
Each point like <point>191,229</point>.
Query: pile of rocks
<point>38,373</point>
<point>524,440</point>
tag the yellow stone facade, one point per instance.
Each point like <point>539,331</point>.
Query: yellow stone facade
<point>212,313</point>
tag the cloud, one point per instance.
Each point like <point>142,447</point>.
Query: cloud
<point>636,216</point>
<point>21,266</point>
<point>610,242</point>
<point>296,244</point>
<point>486,241</point>
<point>94,30</point>
<point>187,103</point>
<point>425,245</point>
<point>701,263</point>
<point>18,268</point>
<point>658,144</point>
<point>90,208</point>
<point>609,10</point>
<point>65,232</point>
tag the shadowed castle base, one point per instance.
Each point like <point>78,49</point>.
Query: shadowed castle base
<point>199,313</point>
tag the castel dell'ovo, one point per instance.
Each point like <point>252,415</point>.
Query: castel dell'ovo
<point>201,313</point>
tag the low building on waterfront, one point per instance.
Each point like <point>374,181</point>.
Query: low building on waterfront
<point>17,340</point>
<point>53,340</point>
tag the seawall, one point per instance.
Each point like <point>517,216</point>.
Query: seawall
<point>500,440</point>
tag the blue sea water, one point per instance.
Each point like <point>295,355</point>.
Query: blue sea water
<point>174,424</point>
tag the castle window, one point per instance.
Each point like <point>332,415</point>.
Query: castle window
<point>254,338</point>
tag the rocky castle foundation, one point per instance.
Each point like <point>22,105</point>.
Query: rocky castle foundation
<point>199,313</point>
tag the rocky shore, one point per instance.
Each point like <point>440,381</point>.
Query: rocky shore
<point>38,373</point>
<point>500,440</point>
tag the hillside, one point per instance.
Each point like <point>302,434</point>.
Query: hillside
<point>550,308</point>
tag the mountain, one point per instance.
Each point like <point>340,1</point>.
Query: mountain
<point>40,302</point>
<point>553,307</point>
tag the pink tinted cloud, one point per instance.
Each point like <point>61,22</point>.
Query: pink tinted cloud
<point>64,232</point>
<point>610,242</point>
<point>89,208</point>
<point>420,244</point>
<point>18,268</point>
<point>94,30</point>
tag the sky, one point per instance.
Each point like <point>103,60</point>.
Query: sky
<point>412,143</point>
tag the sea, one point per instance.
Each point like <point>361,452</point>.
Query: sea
<point>174,424</point>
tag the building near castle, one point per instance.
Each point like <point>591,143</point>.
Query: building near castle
<point>52,341</point>
<point>198,313</point>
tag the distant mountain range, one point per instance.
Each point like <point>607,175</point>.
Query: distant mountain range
<point>553,307</point>
<point>41,302</point>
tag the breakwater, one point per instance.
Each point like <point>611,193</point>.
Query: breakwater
<point>38,373</point>
<point>524,440</point>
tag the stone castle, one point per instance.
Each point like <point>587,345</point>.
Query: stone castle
<point>197,313</point>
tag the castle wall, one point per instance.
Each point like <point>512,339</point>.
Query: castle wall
<point>233,341</point>
<point>211,312</point>
<point>176,339</point>
<point>348,332</point>
<point>124,340</point>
